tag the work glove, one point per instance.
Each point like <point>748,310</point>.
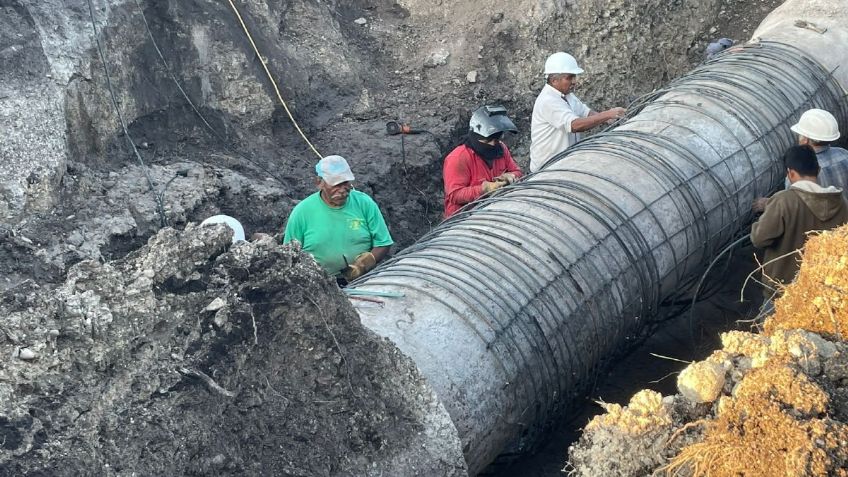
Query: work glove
<point>507,177</point>
<point>487,187</point>
<point>360,266</point>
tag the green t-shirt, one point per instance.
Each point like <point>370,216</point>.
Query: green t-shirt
<point>332,235</point>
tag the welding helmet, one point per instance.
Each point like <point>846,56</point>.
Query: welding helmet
<point>490,120</point>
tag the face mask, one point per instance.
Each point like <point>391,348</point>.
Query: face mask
<point>488,152</point>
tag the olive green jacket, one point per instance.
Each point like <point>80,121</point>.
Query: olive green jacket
<point>789,217</point>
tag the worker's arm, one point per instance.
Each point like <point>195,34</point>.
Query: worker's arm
<point>759,204</point>
<point>511,172</point>
<point>457,179</point>
<point>379,253</point>
<point>596,119</point>
<point>294,227</point>
<point>769,227</point>
<point>511,166</point>
<point>381,239</point>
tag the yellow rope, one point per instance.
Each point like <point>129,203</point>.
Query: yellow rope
<point>273,83</point>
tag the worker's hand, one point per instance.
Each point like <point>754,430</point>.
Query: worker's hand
<point>487,187</point>
<point>760,204</point>
<point>615,113</point>
<point>363,264</point>
<point>507,177</point>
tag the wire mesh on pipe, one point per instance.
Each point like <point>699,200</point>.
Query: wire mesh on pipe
<point>557,273</point>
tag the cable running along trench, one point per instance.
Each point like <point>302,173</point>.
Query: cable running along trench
<point>264,63</point>
<point>194,108</point>
<point>157,196</point>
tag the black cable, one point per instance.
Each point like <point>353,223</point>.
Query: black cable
<point>200,115</point>
<point>159,205</point>
<point>409,183</point>
<point>701,282</point>
<point>435,140</point>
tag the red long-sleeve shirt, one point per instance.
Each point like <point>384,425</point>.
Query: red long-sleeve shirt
<point>464,170</point>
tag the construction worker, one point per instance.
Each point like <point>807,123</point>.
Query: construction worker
<point>818,128</point>
<point>482,163</point>
<point>790,214</point>
<point>558,115</point>
<point>342,228</point>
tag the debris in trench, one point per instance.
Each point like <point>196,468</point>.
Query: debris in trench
<point>781,409</point>
<point>634,437</point>
<point>127,368</point>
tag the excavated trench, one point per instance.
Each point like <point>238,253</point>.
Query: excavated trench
<point>688,335</point>
<point>74,198</point>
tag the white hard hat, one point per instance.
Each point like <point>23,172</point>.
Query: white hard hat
<point>235,225</point>
<point>561,62</point>
<point>818,125</point>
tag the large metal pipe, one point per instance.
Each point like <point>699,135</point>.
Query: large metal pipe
<point>512,307</point>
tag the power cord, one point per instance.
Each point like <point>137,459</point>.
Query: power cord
<point>152,187</point>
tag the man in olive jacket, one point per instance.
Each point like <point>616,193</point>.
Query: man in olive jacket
<point>792,213</point>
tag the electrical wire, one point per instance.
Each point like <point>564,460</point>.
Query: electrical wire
<point>706,273</point>
<point>160,208</point>
<point>411,184</point>
<point>194,107</point>
<point>264,63</point>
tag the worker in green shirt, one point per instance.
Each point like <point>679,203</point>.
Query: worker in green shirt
<point>339,226</point>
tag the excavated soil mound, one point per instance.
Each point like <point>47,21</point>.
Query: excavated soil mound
<point>193,356</point>
<point>818,299</point>
<point>765,404</point>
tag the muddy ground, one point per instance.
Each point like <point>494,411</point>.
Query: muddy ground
<point>74,195</point>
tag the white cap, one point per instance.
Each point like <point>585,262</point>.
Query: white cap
<point>334,170</point>
<point>561,62</point>
<point>818,125</point>
<point>235,225</point>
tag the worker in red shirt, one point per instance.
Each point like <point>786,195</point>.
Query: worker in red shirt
<point>482,163</point>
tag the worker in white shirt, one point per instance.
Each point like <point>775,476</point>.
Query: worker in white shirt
<point>558,115</point>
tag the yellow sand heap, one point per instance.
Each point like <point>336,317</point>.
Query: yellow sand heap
<point>775,424</point>
<point>779,417</point>
<point>773,404</point>
<point>818,299</point>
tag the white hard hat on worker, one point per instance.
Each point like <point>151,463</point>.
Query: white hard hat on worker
<point>818,125</point>
<point>561,63</point>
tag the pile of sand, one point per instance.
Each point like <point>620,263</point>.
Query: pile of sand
<point>774,403</point>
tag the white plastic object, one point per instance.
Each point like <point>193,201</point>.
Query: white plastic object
<point>238,230</point>
<point>818,125</point>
